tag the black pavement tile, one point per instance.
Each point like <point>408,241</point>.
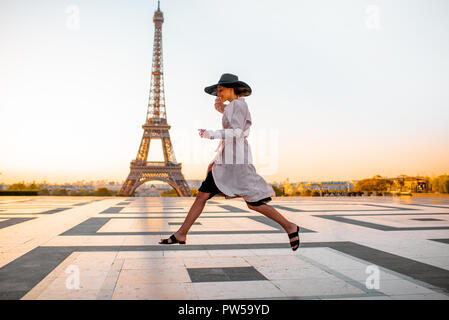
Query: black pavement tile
<point>441,240</point>
<point>414,269</point>
<point>224,274</point>
<point>113,210</point>
<point>243,274</point>
<point>21,275</point>
<point>13,221</point>
<point>88,227</point>
<point>53,211</point>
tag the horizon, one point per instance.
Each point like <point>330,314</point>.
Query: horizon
<point>286,180</point>
<point>341,91</point>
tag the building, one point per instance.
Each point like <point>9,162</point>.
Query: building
<point>336,186</point>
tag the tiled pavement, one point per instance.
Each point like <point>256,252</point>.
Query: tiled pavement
<point>107,248</point>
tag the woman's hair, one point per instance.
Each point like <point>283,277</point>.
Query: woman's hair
<point>241,91</point>
<point>238,91</point>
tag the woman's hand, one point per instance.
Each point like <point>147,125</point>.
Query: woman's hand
<point>209,168</point>
<point>219,105</point>
<point>204,133</point>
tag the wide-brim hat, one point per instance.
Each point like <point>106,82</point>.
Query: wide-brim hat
<point>229,81</point>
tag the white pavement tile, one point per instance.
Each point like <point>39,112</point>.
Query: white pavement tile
<point>334,259</point>
<point>152,263</point>
<point>146,240</point>
<point>186,253</point>
<point>362,274</point>
<point>73,294</point>
<point>293,273</point>
<point>440,262</point>
<point>157,274</point>
<point>402,287</point>
<point>87,241</point>
<point>321,287</point>
<point>231,253</point>
<point>155,291</point>
<point>278,260</point>
<point>139,254</point>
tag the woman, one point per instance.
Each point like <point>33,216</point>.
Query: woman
<point>232,172</point>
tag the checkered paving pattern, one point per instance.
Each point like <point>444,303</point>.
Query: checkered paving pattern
<point>107,248</point>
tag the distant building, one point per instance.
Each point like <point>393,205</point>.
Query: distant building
<point>147,191</point>
<point>112,187</point>
<point>336,186</point>
<point>321,186</point>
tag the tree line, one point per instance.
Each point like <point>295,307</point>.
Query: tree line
<point>385,186</point>
<point>438,184</point>
<point>41,190</point>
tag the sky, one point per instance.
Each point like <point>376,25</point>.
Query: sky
<point>342,90</point>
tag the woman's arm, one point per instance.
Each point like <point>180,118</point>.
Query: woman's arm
<point>220,134</point>
<point>209,167</point>
<point>235,115</point>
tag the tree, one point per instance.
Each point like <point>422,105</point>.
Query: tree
<point>377,183</point>
<point>277,191</point>
<point>43,192</point>
<point>82,192</point>
<point>101,192</point>
<point>60,192</point>
<point>441,184</point>
<point>306,192</point>
<point>169,193</point>
<point>17,187</point>
<point>33,187</point>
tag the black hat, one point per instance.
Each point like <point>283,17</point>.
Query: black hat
<point>229,81</point>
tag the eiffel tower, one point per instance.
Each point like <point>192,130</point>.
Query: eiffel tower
<point>156,127</point>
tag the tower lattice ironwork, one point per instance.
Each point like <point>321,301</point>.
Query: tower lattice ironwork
<point>156,127</point>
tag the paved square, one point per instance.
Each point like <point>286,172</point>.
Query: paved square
<point>107,248</point>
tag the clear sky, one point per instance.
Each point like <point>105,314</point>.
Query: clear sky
<point>342,89</point>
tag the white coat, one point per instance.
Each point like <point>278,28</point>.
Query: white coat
<point>233,171</point>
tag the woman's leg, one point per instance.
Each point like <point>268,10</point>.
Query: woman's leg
<point>273,214</point>
<point>194,212</point>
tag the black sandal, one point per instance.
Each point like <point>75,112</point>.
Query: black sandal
<point>173,239</point>
<point>296,242</point>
